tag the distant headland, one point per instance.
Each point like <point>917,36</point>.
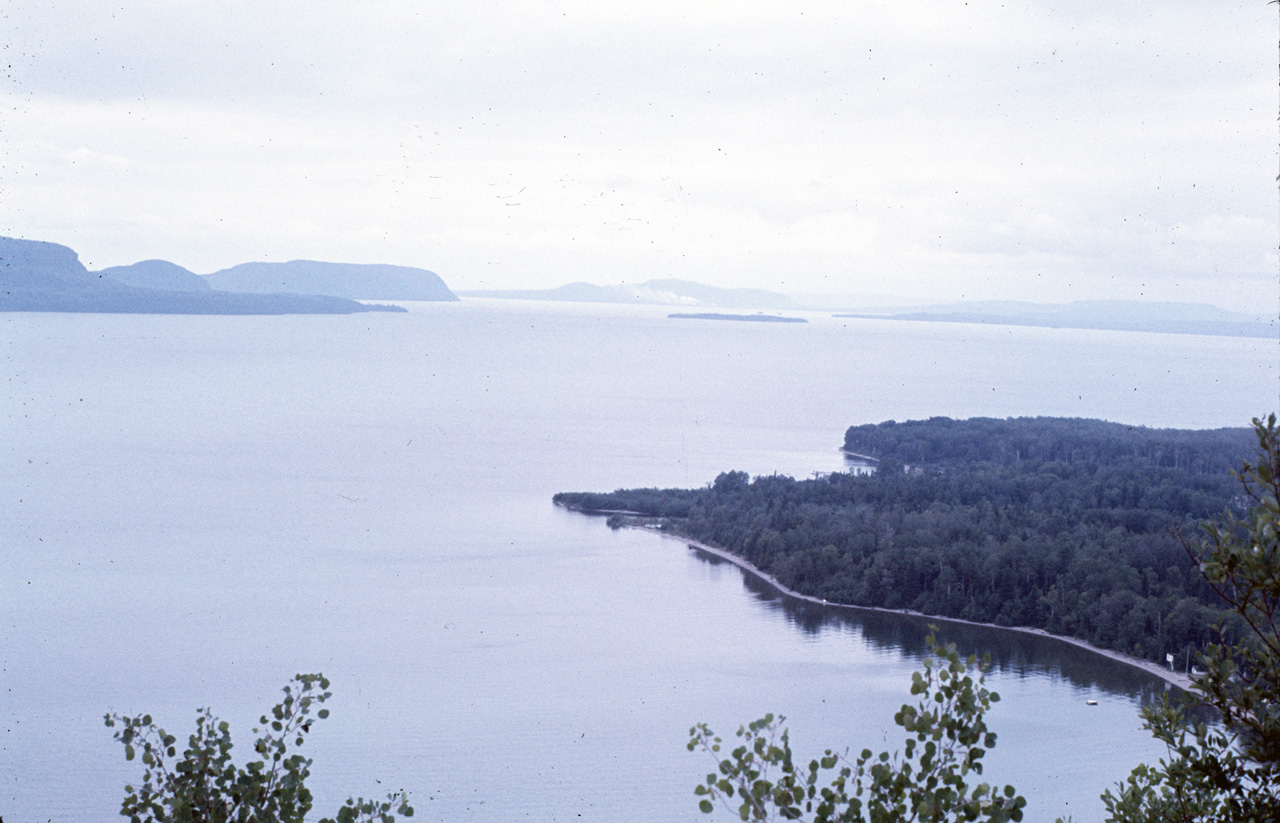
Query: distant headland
<point>38,276</point>
<point>352,280</point>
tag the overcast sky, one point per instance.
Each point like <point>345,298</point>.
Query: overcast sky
<point>1025,149</point>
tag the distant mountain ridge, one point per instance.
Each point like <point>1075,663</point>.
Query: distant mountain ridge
<point>358,281</point>
<point>1079,309</point>
<point>1102,315</point>
<point>658,292</point>
<point>48,277</point>
<point>41,276</point>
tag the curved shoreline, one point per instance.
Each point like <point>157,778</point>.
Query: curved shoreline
<point>1180,680</point>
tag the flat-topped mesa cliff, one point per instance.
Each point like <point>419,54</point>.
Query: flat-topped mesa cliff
<point>46,277</point>
<point>34,264</point>
<point>358,281</point>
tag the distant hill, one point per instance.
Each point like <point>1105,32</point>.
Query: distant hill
<point>662,292</point>
<point>357,281</point>
<point>1113,315</point>
<point>158,274</point>
<point>39,276</point>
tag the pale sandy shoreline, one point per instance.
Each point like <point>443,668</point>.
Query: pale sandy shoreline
<point>1176,679</point>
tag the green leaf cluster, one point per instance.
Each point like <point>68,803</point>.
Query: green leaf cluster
<point>204,785</point>
<point>928,780</point>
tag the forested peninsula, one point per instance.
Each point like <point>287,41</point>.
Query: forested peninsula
<point>1072,526</point>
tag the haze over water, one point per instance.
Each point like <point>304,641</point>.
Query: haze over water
<point>199,507</point>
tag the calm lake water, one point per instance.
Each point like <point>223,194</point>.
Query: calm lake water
<point>196,508</point>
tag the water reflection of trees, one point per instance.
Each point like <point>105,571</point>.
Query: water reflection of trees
<point>1011,652</point>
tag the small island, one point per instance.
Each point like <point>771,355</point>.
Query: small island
<point>751,318</point>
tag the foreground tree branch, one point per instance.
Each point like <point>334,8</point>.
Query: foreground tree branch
<point>1226,771</point>
<point>205,786</point>
<point>926,781</point>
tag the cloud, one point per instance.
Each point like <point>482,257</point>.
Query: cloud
<point>948,147</point>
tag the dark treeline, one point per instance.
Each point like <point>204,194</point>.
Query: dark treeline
<point>941,441</point>
<point>1065,525</point>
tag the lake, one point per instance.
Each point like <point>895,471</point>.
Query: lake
<point>197,508</point>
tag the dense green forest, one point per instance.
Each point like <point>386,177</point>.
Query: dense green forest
<point>1062,524</point>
